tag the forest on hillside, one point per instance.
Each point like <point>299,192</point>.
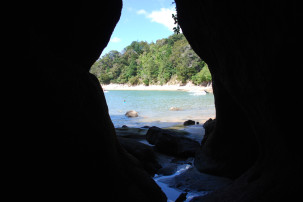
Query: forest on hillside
<point>168,61</point>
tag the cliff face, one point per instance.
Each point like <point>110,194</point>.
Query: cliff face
<point>247,46</point>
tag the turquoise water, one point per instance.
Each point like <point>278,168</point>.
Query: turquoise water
<point>153,107</point>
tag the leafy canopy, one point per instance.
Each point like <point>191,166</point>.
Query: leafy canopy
<point>168,60</point>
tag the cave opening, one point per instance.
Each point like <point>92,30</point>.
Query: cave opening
<point>163,66</point>
<point>70,140</point>
<point>156,81</point>
<point>154,58</point>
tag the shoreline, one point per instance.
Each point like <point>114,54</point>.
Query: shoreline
<point>188,87</point>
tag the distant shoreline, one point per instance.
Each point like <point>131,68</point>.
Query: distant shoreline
<point>187,87</point>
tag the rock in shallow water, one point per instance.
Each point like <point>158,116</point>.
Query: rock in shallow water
<point>134,133</point>
<point>171,142</point>
<point>168,170</point>
<point>189,122</point>
<point>193,180</point>
<point>142,152</point>
<point>131,113</point>
<point>175,109</point>
<point>182,197</point>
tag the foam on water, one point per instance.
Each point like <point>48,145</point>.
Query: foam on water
<point>172,193</point>
<point>198,93</point>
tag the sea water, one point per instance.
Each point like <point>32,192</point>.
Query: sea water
<point>154,107</point>
<point>172,193</point>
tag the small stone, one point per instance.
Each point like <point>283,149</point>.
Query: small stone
<point>174,109</point>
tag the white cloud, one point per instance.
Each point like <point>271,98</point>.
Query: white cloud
<point>115,40</point>
<point>162,16</point>
<point>142,12</point>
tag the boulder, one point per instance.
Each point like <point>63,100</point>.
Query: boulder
<point>182,197</point>
<point>168,170</point>
<point>142,152</point>
<point>174,109</point>
<point>189,122</point>
<point>131,113</point>
<point>145,127</point>
<point>209,127</point>
<point>171,142</point>
<point>133,133</point>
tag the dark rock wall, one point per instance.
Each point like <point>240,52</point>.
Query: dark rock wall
<point>65,143</point>
<point>248,46</point>
<point>61,143</point>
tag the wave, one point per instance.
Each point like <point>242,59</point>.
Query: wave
<point>197,93</point>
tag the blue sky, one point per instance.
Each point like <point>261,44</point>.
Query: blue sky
<point>142,20</point>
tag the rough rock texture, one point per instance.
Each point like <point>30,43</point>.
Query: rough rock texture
<point>131,113</point>
<point>248,45</point>
<point>144,153</point>
<point>172,143</point>
<point>61,144</point>
<point>64,146</point>
<point>133,133</point>
<point>195,181</point>
<point>209,127</point>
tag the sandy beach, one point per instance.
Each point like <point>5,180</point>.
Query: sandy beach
<point>187,87</point>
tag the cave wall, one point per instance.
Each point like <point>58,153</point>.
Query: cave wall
<point>64,145</point>
<point>250,46</point>
<point>60,142</point>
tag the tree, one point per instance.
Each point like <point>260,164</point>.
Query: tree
<point>177,28</point>
<point>203,76</point>
<point>154,63</point>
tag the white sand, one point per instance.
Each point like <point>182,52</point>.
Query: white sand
<point>187,87</point>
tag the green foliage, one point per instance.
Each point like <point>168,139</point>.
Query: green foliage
<point>154,63</point>
<point>203,76</point>
<point>175,17</point>
<point>146,82</point>
<point>133,80</point>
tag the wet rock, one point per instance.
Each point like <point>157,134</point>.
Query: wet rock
<point>134,133</point>
<point>193,180</point>
<point>131,113</point>
<point>209,127</point>
<point>171,142</point>
<point>168,170</point>
<point>145,127</point>
<point>189,160</point>
<point>182,197</point>
<point>142,152</point>
<point>189,122</point>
